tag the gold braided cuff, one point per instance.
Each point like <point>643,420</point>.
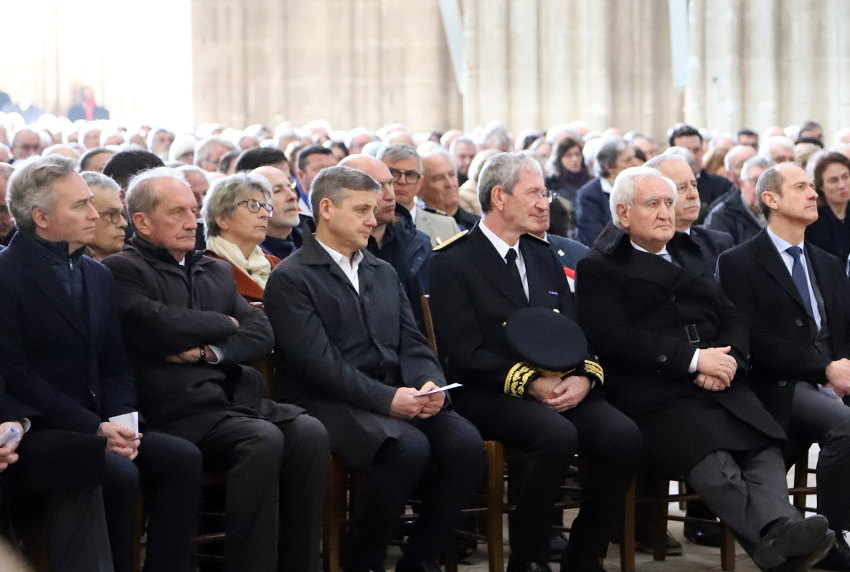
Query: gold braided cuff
<point>594,371</point>
<point>518,377</point>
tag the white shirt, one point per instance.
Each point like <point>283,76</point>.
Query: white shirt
<point>502,248</point>
<point>782,245</point>
<point>349,266</point>
<point>606,186</point>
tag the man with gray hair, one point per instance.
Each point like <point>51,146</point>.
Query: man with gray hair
<point>109,230</point>
<point>675,355</point>
<point>209,151</point>
<point>592,214</point>
<point>463,149</point>
<point>479,280</point>
<point>61,354</point>
<point>709,242</point>
<point>405,166</point>
<point>25,143</point>
<point>740,216</point>
<point>189,333</point>
<point>440,191</point>
<point>7,226</point>
<point>369,375</point>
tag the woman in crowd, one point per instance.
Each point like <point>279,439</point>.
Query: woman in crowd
<point>236,214</point>
<point>830,173</point>
<point>567,173</point>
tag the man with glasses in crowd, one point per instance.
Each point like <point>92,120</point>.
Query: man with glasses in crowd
<point>406,169</point>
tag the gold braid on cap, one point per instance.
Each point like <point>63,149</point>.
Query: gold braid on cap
<point>518,377</point>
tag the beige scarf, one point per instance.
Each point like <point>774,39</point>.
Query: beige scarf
<point>256,266</point>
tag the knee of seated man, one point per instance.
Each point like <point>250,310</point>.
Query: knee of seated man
<point>265,442</point>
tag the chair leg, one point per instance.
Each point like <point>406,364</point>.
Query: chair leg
<point>658,519</point>
<point>727,548</point>
<point>334,514</point>
<point>627,542</point>
<point>495,499</point>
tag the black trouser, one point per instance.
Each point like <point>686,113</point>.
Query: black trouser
<point>276,480</point>
<point>168,470</point>
<point>610,441</point>
<point>448,452</point>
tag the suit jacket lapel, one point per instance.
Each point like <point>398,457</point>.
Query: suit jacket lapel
<point>772,262</point>
<point>494,268</point>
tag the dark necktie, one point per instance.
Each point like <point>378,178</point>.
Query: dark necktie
<point>510,258</point>
<point>798,275</point>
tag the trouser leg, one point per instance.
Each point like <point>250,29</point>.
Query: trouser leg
<point>78,539</point>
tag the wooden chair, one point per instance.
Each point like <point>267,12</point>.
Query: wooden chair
<point>659,499</point>
<point>801,490</point>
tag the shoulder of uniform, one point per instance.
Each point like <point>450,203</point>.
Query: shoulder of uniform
<point>453,240</point>
<point>434,211</point>
<point>536,238</point>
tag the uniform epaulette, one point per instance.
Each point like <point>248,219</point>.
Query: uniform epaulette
<point>535,237</point>
<point>435,211</point>
<point>452,240</point>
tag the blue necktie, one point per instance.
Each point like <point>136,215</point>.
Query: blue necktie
<point>798,275</point>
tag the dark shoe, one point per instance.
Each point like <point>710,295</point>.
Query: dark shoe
<point>803,563</point>
<point>424,566</point>
<point>557,545</point>
<point>703,533</point>
<point>672,547</point>
<point>790,539</point>
<point>466,547</point>
<point>838,557</point>
<point>537,567</point>
<point>568,565</point>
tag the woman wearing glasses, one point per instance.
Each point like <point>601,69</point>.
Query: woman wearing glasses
<point>236,214</point>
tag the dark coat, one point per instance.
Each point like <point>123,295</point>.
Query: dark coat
<point>351,351</point>
<point>592,211</point>
<point>634,307</point>
<point>407,250</point>
<point>167,308</point>
<point>470,318</point>
<point>830,234</point>
<point>733,218</point>
<point>782,334</point>
<point>70,368</point>
<point>711,244</point>
<point>710,187</point>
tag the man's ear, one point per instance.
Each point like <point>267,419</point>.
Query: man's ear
<point>497,197</point>
<point>769,198</point>
<point>141,224</point>
<point>40,217</point>
<point>623,215</point>
<point>325,208</point>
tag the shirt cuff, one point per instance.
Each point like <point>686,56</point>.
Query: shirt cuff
<point>219,354</point>
<point>694,360</point>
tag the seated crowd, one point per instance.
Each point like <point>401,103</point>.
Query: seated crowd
<point>702,288</point>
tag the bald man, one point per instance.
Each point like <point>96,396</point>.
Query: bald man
<point>395,238</point>
<point>283,235</point>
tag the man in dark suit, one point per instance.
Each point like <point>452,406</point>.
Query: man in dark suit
<point>61,354</point>
<point>474,291</point>
<point>711,242</point>
<point>361,366</point>
<point>710,186</point>
<point>188,333</point>
<point>797,301</point>
<point>35,471</point>
<point>673,349</point>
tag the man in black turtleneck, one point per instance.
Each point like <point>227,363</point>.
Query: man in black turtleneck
<point>61,354</point>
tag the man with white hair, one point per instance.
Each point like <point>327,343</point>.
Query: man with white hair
<point>675,354</point>
<point>779,149</point>
<point>283,235</point>
<point>440,189</point>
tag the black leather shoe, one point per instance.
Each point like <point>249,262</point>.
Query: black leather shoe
<point>838,557</point>
<point>806,561</point>
<point>537,567</point>
<point>703,533</point>
<point>786,541</point>
<point>672,547</point>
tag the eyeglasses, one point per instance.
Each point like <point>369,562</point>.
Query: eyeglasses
<point>410,176</point>
<point>254,206</point>
<point>114,215</point>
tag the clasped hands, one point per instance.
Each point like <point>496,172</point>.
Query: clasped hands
<point>406,405</point>
<point>715,368</point>
<point>838,376</point>
<point>559,394</point>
